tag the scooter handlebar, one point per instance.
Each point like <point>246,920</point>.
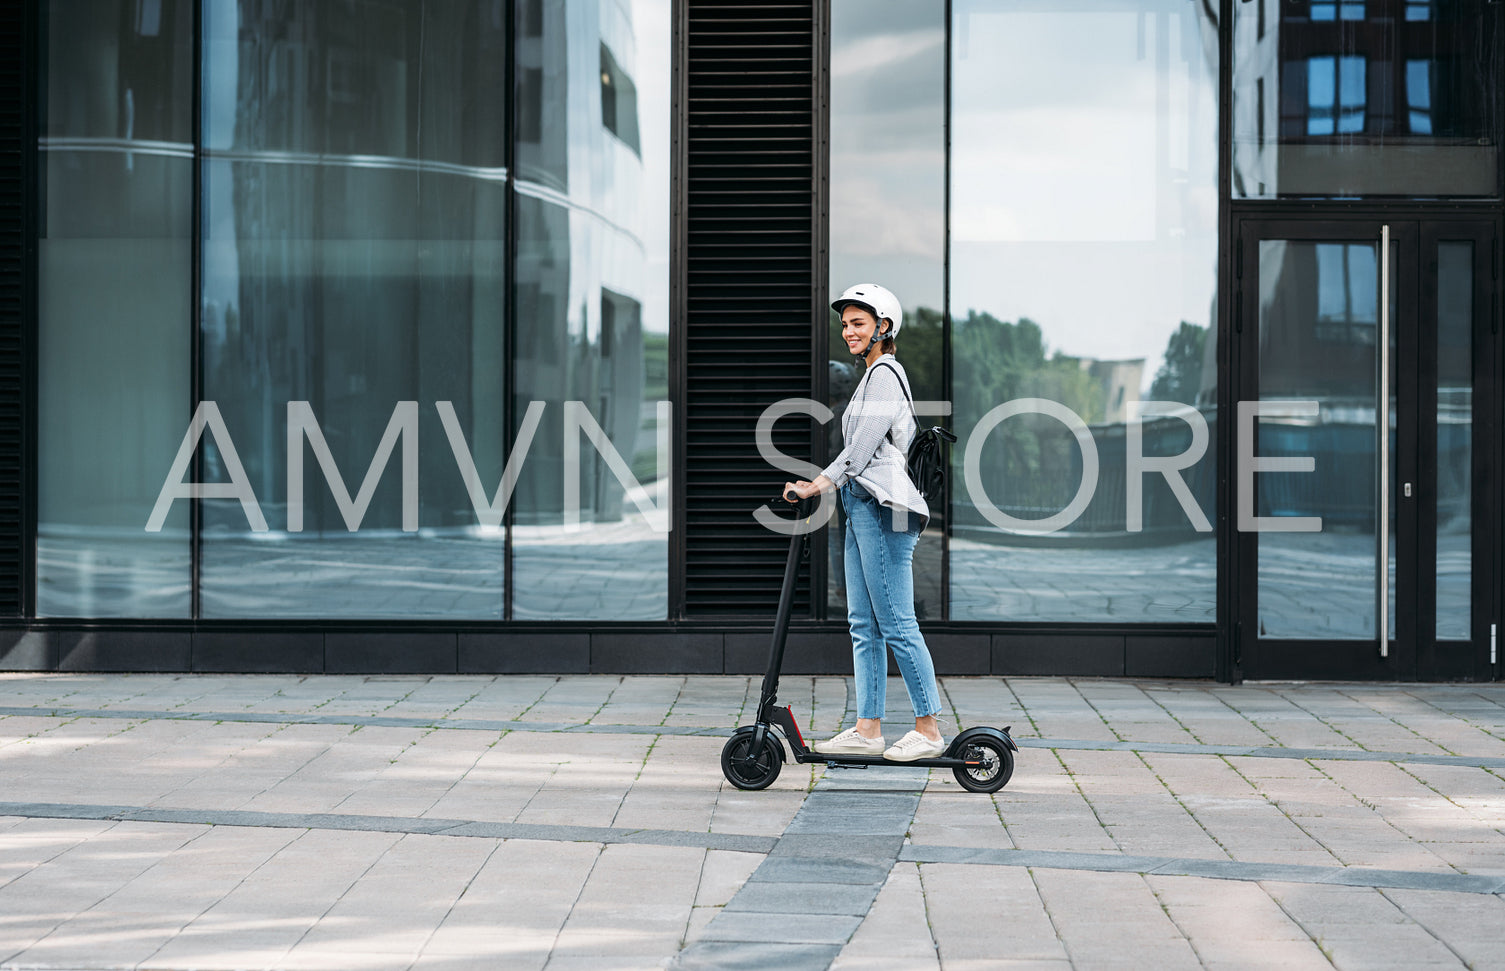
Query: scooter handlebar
<point>803,508</point>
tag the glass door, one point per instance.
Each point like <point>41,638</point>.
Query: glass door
<point>1357,465</point>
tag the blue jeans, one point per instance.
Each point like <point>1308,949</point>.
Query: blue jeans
<point>880,606</point>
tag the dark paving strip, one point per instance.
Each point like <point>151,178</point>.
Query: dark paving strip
<point>485,725</point>
<point>1262,752</point>
<point>807,899</point>
<point>376,721</point>
<point>1214,869</point>
<point>829,864</point>
<point>393,824</point>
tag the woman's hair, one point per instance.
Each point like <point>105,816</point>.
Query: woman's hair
<point>888,345</point>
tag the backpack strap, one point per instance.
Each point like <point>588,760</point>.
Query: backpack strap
<point>905,390</point>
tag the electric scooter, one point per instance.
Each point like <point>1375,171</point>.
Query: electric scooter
<point>982,758</point>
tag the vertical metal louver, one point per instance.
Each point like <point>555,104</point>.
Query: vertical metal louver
<point>14,93</point>
<point>750,168</point>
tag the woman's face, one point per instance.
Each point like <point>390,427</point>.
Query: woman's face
<point>857,326</point>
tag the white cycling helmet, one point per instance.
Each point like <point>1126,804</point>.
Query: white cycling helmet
<point>878,300</point>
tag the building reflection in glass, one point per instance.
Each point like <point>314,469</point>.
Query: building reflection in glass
<point>887,223</point>
<point>113,293</point>
<point>592,301</point>
<point>1455,438</point>
<point>1083,271</point>
<point>355,256</point>
<point>1318,336</point>
<point>1372,98</point>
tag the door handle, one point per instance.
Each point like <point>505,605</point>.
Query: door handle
<point>1382,429</point>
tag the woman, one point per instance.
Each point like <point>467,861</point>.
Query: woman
<point>885,513</point>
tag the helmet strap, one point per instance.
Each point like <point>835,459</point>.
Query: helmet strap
<point>876,337</point>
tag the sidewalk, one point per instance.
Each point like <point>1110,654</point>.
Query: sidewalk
<point>193,822</point>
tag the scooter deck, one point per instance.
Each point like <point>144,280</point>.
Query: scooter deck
<point>940,761</point>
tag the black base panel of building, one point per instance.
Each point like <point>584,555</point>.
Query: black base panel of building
<point>741,651</point>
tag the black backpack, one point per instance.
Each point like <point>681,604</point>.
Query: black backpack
<point>926,460</point>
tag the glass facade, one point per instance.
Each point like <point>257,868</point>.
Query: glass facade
<point>888,219</point>
<point>593,310</point>
<point>114,368</point>
<point>1455,438</point>
<point>1365,98</point>
<point>354,259</point>
<point>1319,323</point>
<point>1083,276</point>
<point>362,311</point>
<point>356,297</point>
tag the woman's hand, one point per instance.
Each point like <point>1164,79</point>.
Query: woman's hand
<point>805,489</point>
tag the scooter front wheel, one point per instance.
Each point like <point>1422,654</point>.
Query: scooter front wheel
<point>996,764</point>
<point>747,769</point>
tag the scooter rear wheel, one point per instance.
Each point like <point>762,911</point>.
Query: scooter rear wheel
<point>747,769</point>
<point>996,768</point>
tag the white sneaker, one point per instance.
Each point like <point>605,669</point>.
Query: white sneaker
<point>850,742</point>
<point>914,746</point>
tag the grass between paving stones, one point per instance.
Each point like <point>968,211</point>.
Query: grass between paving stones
<point>1184,808</point>
<point>1173,717</point>
<point>1375,808</point>
<point>1401,725</point>
<point>1166,909</point>
<point>1316,940</point>
<point>1293,820</point>
<point>1401,907</point>
<point>1247,720</point>
<point>1033,725</point>
<point>1077,785</point>
<point>935,945</point>
<point>652,744</point>
<point>1328,723</point>
<point>604,702</point>
<point>1100,716</point>
<point>670,710</point>
<point>423,733</point>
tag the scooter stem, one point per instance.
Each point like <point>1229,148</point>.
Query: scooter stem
<point>797,543</point>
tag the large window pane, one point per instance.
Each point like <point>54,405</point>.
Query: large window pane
<point>1455,439</point>
<point>1083,277</point>
<point>888,200</point>
<point>114,303</point>
<point>354,259</point>
<point>1383,97</point>
<point>1318,336</point>
<point>593,308</point>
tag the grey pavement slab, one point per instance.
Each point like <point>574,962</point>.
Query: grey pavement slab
<point>1213,869</point>
<point>771,897</point>
<point>789,928</point>
<point>756,956</point>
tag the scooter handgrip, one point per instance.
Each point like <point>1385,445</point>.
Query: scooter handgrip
<point>792,496</point>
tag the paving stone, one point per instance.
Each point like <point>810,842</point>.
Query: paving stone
<point>786,928</point>
<point>1473,926</point>
<point>1100,917</point>
<point>896,932</point>
<point>987,914</point>
<point>768,897</point>
<point>738,956</point>
<point>803,870</point>
<point>534,884</point>
<point>1230,925</point>
<point>615,916</point>
<point>861,849</point>
<point>722,874</point>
